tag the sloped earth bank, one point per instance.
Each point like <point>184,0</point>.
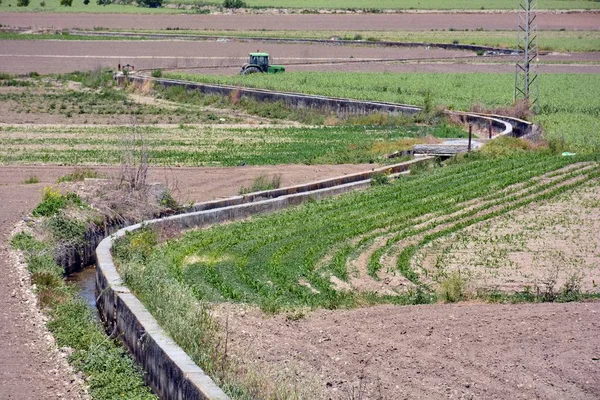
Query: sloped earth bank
<point>30,365</point>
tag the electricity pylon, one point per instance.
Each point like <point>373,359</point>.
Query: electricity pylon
<point>526,77</point>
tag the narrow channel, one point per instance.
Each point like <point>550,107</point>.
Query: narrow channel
<point>85,281</point>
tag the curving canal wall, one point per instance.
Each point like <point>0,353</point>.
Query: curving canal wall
<point>341,107</point>
<point>169,370</point>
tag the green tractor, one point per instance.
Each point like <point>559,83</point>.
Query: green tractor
<point>259,62</point>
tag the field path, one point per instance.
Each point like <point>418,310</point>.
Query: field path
<point>29,367</point>
<point>310,22</point>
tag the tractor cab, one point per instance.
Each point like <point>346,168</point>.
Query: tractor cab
<point>259,62</point>
<point>259,59</point>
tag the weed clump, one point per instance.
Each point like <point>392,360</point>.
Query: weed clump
<point>262,183</point>
<point>53,201</point>
<point>80,174</point>
<point>379,179</point>
<point>506,146</point>
<point>452,288</point>
<point>31,180</point>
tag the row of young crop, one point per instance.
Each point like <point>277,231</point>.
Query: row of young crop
<point>194,145</point>
<point>285,260</point>
<point>263,260</point>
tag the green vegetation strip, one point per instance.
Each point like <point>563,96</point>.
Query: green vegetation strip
<point>262,261</point>
<point>194,145</point>
<point>565,41</point>
<point>110,372</point>
<point>565,98</point>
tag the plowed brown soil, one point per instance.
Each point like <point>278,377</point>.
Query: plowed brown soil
<point>463,351</point>
<point>385,22</point>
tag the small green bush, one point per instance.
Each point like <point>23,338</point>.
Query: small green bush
<point>66,3</point>
<point>379,178</point>
<point>452,288</point>
<point>32,179</point>
<point>22,3</point>
<point>136,246</point>
<point>156,73</point>
<point>261,183</point>
<point>67,230</point>
<point>167,200</point>
<point>79,175</point>
<point>150,3</point>
<point>53,201</point>
<point>234,3</point>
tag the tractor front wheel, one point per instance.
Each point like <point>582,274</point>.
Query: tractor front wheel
<point>251,70</point>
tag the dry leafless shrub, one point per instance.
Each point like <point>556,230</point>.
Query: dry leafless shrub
<point>134,160</point>
<point>521,109</point>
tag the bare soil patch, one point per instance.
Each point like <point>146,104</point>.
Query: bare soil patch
<point>30,365</point>
<point>227,57</point>
<point>463,351</point>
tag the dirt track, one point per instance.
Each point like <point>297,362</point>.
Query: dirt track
<point>23,56</point>
<point>383,22</point>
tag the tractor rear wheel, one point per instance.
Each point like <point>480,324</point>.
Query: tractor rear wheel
<point>251,70</point>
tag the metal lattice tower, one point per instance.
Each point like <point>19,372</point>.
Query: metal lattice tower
<point>526,76</point>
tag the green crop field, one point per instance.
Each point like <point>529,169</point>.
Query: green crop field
<point>194,146</point>
<point>298,257</point>
<point>565,98</point>
<point>310,256</point>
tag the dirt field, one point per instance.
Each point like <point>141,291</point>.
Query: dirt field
<point>463,351</point>
<point>384,22</point>
<point>442,351</point>
<point>226,57</point>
